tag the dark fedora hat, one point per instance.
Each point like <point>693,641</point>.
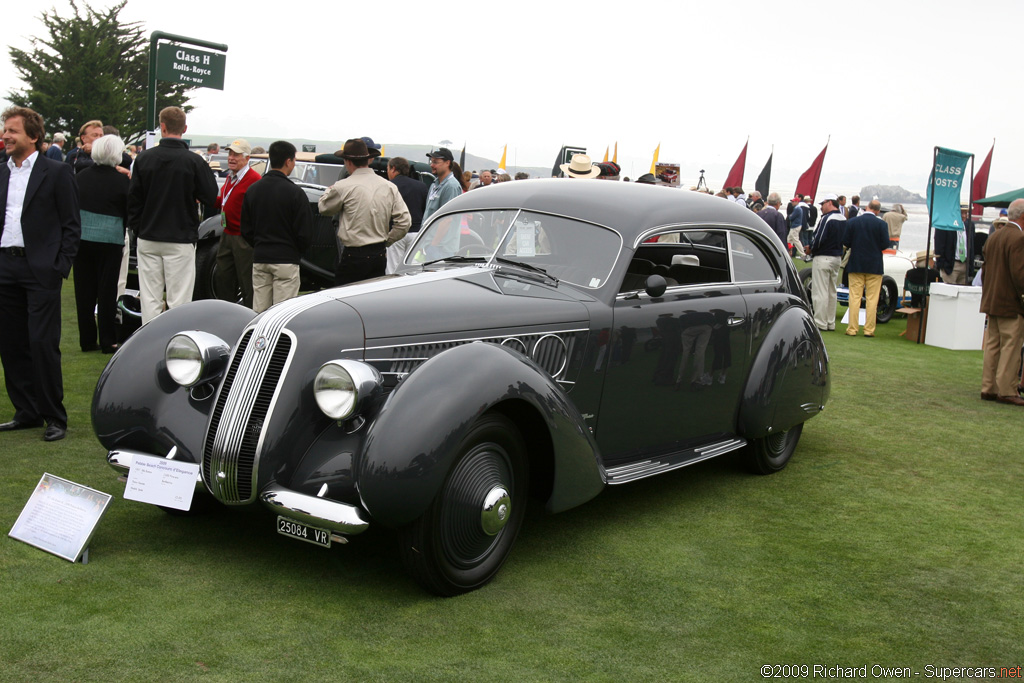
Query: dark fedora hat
<point>356,149</point>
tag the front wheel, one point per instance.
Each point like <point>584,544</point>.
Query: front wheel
<point>465,535</point>
<point>770,453</point>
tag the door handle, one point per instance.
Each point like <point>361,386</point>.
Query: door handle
<point>733,321</point>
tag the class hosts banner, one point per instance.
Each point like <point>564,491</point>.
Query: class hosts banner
<point>944,187</point>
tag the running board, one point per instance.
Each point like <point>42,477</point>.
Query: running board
<point>624,474</point>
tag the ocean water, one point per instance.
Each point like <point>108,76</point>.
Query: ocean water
<point>915,230</point>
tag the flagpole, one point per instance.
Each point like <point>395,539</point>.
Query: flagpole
<point>927,246</point>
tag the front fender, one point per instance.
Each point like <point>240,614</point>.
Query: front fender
<point>789,380</point>
<point>137,405</point>
<point>413,442</point>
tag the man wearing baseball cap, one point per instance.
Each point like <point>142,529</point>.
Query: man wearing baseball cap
<point>827,251</point>
<point>234,254</point>
<point>445,187</point>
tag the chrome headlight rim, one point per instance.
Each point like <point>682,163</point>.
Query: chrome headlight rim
<point>342,388</point>
<point>193,357</point>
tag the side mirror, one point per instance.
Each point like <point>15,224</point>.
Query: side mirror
<point>655,286</point>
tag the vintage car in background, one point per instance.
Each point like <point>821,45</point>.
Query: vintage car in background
<point>534,345</point>
<point>895,265</point>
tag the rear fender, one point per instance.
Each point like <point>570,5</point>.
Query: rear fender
<point>789,380</point>
<point>413,442</point>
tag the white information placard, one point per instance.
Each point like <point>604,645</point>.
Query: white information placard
<point>60,517</point>
<point>160,481</point>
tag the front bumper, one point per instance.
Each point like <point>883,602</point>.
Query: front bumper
<point>338,518</point>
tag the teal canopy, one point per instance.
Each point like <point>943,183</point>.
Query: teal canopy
<point>1001,200</point>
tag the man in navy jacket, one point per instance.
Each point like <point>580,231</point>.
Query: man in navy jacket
<point>867,236</point>
<point>39,235</point>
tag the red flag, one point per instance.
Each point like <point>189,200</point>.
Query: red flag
<point>807,185</point>
<point>980,187</point>
<point>735,178</point>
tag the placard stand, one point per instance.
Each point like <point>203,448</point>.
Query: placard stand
<point>60,518</point>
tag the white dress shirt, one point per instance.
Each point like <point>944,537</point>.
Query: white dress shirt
<point>16,187</point>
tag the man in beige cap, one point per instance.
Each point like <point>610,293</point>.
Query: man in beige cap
<point>373,215</point>
<point>234,254</point>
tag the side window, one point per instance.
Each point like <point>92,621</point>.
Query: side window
<point>684,257</point>
<point>749,262</point>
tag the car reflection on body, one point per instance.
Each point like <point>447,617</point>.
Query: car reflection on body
<point>534,344</point>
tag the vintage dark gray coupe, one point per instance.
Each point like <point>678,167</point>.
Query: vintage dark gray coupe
<point>545,338</point>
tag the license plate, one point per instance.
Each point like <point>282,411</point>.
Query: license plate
<point>309,534</point>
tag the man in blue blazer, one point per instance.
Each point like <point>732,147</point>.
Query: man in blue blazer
<point>39,235</point>
<point>867,236</point>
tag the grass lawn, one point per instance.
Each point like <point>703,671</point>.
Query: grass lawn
<point>895,537</point>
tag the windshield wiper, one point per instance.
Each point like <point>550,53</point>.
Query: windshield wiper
<point>526,266</point>
<point>457,259</point>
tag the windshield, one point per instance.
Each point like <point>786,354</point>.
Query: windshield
<point>567,249</point>
<point>317,174</point>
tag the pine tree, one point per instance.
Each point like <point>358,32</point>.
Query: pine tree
<point>88,67</point>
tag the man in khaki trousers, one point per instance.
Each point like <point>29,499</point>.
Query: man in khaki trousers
<point>1002,281</point>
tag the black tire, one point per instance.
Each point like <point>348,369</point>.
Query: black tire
<point>805,280</point>
<point>447,550</point>
<point>771,453</point>
<point>206,270</point>
<point>888,300</point>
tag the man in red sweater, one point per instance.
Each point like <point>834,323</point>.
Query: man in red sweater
<point>234,255</point>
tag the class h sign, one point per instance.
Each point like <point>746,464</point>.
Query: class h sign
<point>197,68</point>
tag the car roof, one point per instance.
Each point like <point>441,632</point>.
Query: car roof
<point>630,208</point>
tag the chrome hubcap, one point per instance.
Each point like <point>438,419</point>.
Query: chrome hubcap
<point>496,511</point>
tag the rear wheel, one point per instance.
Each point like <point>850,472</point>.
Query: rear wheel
<point>888,300</point>
<point>465,535</point>
<point>771,453</point>
<point>206,270</point>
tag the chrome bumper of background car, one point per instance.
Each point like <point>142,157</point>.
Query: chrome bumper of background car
<point>339,518</point>
<point>122,458</point>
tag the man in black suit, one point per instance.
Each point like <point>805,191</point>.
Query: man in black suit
<point>39,236</point>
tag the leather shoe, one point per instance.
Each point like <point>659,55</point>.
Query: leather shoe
<point>1011,400</point>
<point>14,424</point>
<point>988,397</point>
<point>56,432</point>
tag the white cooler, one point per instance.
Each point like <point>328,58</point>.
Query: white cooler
<point>954,319</point>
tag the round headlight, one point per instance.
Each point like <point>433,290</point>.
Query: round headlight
<point>335,391</point>
<point>193,357</point>
<point>184,360</point>
<point>343,387</point>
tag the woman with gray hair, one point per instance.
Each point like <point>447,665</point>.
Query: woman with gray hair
<point>103,201</point>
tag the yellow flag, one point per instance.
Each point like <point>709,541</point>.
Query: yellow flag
<point>501,165</point>
<point>605,160</point>
<point>655,162</point>
<point>615,158</point>
<point>383,150</point>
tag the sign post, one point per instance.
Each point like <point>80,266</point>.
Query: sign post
<point>177,64</point>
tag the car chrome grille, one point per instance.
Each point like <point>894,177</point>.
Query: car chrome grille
<point>234,438</point>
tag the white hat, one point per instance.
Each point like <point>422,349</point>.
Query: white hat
<point>580,167</point>
<point>829,197</point>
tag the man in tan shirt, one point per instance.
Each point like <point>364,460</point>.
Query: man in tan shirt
<point>373,215</point>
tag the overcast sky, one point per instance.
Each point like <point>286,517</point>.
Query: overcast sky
<point>886,80</point>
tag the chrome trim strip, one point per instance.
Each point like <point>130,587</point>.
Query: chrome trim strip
<point>505,336</point>
<point>339,518</point>
<point>811,408</point>
<point>648,468</point>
